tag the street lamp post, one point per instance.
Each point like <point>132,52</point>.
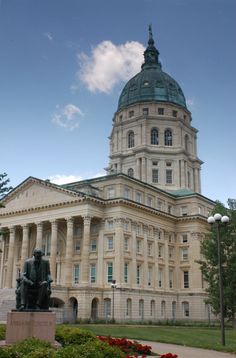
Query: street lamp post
<point>217,219</point>
<point>113,286</point>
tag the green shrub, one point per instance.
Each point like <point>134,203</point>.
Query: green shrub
<point>2,332</point>
<point>89,350</point>
<point>4,353</point>
<point>72,335</point>
<point>31,347</point>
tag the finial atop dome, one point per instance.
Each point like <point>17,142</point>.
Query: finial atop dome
<point>151,53</point>
<point>150,41</point>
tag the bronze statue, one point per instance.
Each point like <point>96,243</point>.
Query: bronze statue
<point>34,285</point>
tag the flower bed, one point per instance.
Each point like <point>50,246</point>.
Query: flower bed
<point>131,348</point>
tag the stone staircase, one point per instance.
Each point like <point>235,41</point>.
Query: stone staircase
<point>7,302</point>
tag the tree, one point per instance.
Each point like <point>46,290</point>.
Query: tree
<point>4,189</point>
<point>209,265</point>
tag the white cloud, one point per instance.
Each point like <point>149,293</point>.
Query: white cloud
<point>64,179</point>
<point>190,102</point>
<point>68,117</point>
<point>61,179</point>
<point>109,64</point>
<point>49,36</point>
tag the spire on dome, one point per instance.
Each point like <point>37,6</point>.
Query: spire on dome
<point>150,41</point>
<point>151,53</point>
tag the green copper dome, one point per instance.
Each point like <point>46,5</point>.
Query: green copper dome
<point>151,83</point>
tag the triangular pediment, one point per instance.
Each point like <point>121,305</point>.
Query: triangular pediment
<point>36,193</point>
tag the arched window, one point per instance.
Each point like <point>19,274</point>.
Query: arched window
<point>154,136</point>
<point>130,139</point>
<point>141,309</point>
<point>174,310</point>
<point>163,308</point>
<point>168,137</point>
<point>152,308</point>
<point>107,308</point>
<point>130,172</point>
<point>185,308</point>
<point>129,307</point>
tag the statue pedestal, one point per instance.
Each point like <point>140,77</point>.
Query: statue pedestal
<point>26,324</point>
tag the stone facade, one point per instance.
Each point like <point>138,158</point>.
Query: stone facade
<point>99,230</point>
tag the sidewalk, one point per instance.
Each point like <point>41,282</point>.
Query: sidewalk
<point>186,352</point>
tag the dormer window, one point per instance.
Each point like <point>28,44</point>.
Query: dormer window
<point>131,114</point>
<point>145,111</point>
<point>145,83</point>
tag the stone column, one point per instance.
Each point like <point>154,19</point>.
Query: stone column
<point>137,171</point>
<point>39,237</point>
<point>119,255</point>
<point>53,251</point>
<point>166,261</point>
<point>145,257</point>
<point>85,251</point>
<point>156,259</point>
<point>100,248</point>
<point>2,261</point>
<point>25,244</point>
<point>144,169</point>
<point>10,261</point>
<point>69,252</point>
<point>133,271</point>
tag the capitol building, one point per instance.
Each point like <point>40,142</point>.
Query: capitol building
<point>122,246</point>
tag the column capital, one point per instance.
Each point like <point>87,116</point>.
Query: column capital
<point>87,219</point>
<point>12,229</point>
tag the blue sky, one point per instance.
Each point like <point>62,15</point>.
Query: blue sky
<point>63,64</point>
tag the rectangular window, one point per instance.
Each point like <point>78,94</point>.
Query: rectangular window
<point>145,111</point>
<point>184,211</point>
<point>126,244</point>
<point>160,250</point>
<point>110,243</point>
<point>171,252</point>
<point>138,246</point>
<point>174,113</point>
<point>184,239</point>
<point>160,277</point>
<point>110,224</point>
<point>77,246</point>
<point>154,163</point>
<point>168,164</point>
<point>126,226</point>
<point>138,229</point>
<point>110,193</point>
<point>155,175</point>
<point>77,230</point>
<point>184,253</point>
<point>186,279</point>
<point>149,275</point>
<point>171,277</point>
<point>169,209</point>
<point>138,274</point>
<point>93,245</point>
<point>93,273</point>
<point>109,272</point>
<point>126,266</point>
<point>126,193</point>
<point>149,248</point>
<point>168,176</point>
<point>138,197</point>
<point>76,274</point>
<point>131,114</point>
<point>149,201</point>
<point>161,111</point>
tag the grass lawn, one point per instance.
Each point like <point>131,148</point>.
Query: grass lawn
<point>200,337</point>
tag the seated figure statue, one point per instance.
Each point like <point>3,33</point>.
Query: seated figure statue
<point>34,286</point>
